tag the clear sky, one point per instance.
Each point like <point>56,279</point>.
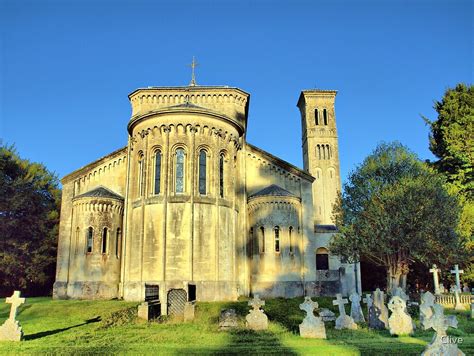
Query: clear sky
<point>66,68</point>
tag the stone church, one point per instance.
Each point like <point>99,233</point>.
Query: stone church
<point>189,205</point>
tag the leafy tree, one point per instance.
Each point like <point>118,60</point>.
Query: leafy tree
<point>394,210</point>
<point>451,140</point>
<point>29,216</point>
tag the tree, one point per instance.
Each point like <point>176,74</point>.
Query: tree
<point>29,216</point>
<point>451,140</point>
<point>394,210</point>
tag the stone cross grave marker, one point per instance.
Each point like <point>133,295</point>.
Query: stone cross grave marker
<point>340,303</point>
<point>11,329</point>
<point>256,318</point>
<point>343,321</point>
<point>456,271</point>
<point>356,310</point>
<point>426,311</point>
<point>311,327</point>
<point>256,302</point>
<point>380,310</point>
<point>400,322</point>
<point>435,271</point>
<point>15,302</point>
<point>457,305</point>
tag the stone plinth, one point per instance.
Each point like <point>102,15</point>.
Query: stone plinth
<point>11,331</point>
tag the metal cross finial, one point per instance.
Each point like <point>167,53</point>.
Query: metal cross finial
<point>193,65</point>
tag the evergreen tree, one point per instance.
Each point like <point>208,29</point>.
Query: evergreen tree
<point>29,217</point>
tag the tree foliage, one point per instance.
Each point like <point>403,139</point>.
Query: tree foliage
<point>452,141</point>
<point>394,210</point>
<point>29,216</point>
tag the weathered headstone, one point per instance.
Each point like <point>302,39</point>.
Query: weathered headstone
<point>343,321</point>
<point>11,329</point>
<point>426,311</point>
<point>256,318</point>
<point>327,315</point>
<point>228,320</point>
<point>457,300</point>
<point>435,271</point>
<point>442,289</point>
<point>380,320</point>
<point>356,310</point>
<point>440,344</point>
<point>400,322</point>
<point>466,289</point>
<point>457,272</point>
<point>312,326</point>
<point>189,311</point>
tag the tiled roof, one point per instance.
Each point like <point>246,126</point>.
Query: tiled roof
<point>100,192</point>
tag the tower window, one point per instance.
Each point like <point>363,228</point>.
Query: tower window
<point>277,239</point>
<point>104,240</point>
<point>140,175</point>
<point>251,243</point>
<point>325,116</point>
<point>118,242</point>
<point>322,259</point>
<point>318,147</point>
<point>202,172</point>
<point>179,170</point>
<point>221,175</point>
<point>77,239</point>
<point>290,237</point>
<point>157,172</point>
<point>261,240</point>
<point>316,117</point>
<point>90,239</point>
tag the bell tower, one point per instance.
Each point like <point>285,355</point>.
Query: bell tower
<point>320,150</point>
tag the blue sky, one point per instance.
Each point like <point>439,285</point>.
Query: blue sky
<point>66,68</point>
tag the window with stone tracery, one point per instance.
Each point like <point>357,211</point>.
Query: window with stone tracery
<point>180,159</point>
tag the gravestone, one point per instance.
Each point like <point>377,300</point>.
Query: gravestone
<point>466,289</point>
<point>327,315</point>
<point>356,310</point>
<point>256,318</point>
<point>472,310</point>
<point>439,344</point>
<point>188,314</point>
<point>380,320</point>
<point>312,326</point>
<point>400,322</point>
<point>11,329</point>
<point>370,308</point>
<point>426,311</point>
<point>457,300</point>
<point>343,321</point>
<point>435,271</point>
<point>442,289</point>
<point>457,272</point>
<point>228,320</point>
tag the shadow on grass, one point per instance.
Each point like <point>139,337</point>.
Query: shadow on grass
<point>56,331</point>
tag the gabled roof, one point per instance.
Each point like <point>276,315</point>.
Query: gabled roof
<point>274,191</point>
<point>100,192</point>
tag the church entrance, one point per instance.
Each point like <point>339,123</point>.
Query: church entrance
<point>177,299</point>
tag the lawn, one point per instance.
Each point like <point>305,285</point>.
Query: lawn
<point>106,327</point>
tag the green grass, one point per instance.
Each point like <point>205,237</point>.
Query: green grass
<point>108,327</point>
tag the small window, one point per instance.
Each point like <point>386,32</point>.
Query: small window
<point>191,292</point>
<point>316,117</point>
<point>140,175</point>
<point>179,170</point>
<point>221,175</point>
<point>325,116</point>
<point>322,259</point>
<point>118,242</point>
<point>90,239</point>
<point>319,151</point>
<point>251,243</point>
<point>157,172</point>
<point>290,237</point>
<point>261,240</point>
<point>202,172</point>
<point>104,240</point>
<point>277,239</point>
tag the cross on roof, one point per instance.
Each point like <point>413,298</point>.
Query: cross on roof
<point>193,65</point>
<point>340,303</point>
<point>15,301</point>
<point>256,302</point>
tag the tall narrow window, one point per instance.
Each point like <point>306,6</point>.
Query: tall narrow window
<point>90,239</point>
<point>77,240</point>
<point>104,240</point>
<point>316,116</point>
<point>179,170</point>
<point>251,243</point>
<point>277,239</point>
<point>157,172</point>
<point>118,242</point>
<point>140,175</point>
<point>202,172</point>
<point>290,238</point>
<point>325,116</point>
<point>261,240</point>
<point>319,151</point>
<point>221,175</point>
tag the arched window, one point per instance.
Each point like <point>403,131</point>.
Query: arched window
<point>325,116</point>
<point>118,242</point>
<point>221,175</point>
<point>251,243</point>
<point>77,239</point>
<point>261,240</point>
<point>277,238</point>
<point>157,172</point>
<point>179,170</point>
<point>322,259</point>
<point>290,238</point>
<point>319,151</point>
<point>328,152</point>
<point>140,175</point>
<point>104,240</point>
<point>202,171</point>
<point>316,116</point>
<point>90,239</point>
